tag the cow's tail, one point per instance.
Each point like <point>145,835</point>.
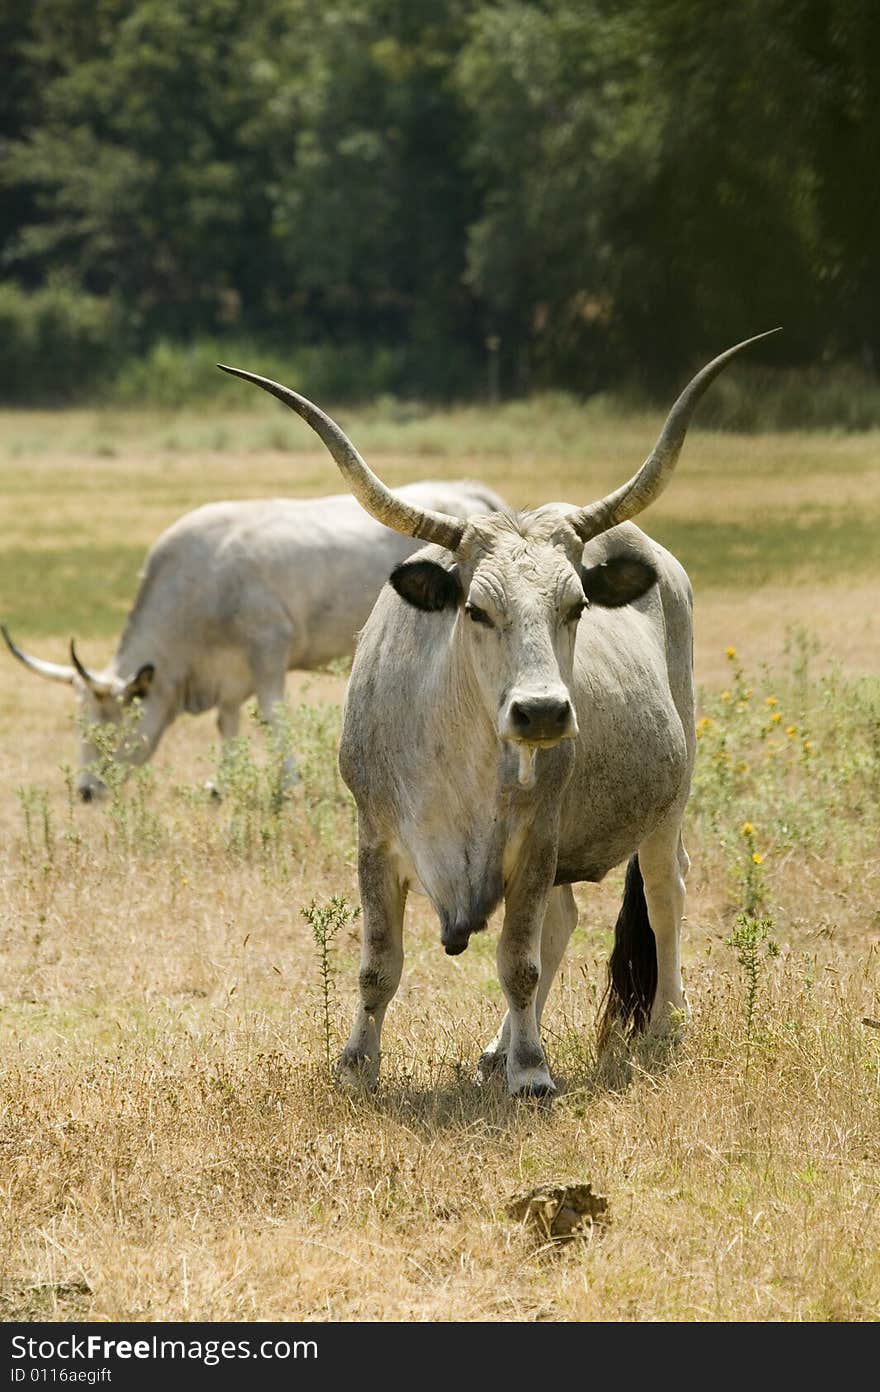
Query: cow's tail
<point>632,967</point>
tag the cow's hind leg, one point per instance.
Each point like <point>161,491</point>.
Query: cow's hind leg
<point>645,991</point>
<point>560,921</point>
<point>664,863</point>
<point>383,899</point>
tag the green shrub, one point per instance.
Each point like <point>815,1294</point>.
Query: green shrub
<point>174,374</point>
<point>56,343</point>
<point>820,397</point>
<point>753,399</point>
<point>788,763</point>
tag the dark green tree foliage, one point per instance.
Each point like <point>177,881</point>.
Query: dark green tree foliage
<point>373,211</point>
<point>146,183</point>
<point>289,167</point>
<point>18,105</point>
<point>611,188</point>
<point>647,195</point>
<point>841,42</point>
<point>544,87</point>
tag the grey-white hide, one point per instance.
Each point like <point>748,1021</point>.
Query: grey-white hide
<point>520,718</point>
<point>232,597</point>
<point>453,803</point>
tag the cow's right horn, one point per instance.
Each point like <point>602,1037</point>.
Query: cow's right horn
<point>95,684</point>
<point>369,490</point>
<point>53,670</point>
<point>651,479</point>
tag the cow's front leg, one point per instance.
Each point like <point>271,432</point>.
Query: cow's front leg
<point>519,971</point>
<point>383,898</point>
<point>560,919</point>
<point>268,663</point>
<point>228,724</point>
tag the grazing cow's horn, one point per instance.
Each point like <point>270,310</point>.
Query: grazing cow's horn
<point>369,490</point>
<point>53,670</point>
<point>657,469</point>
<point>95,684</point>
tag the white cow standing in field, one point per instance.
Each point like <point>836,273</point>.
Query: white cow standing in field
<point>232,597</point>
<point>519,718</point>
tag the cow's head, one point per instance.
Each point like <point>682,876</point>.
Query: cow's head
<point>519,587</point>
<point>518,583</point>
<point>110,717</point>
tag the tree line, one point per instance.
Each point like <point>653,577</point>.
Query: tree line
<point>480,195</point>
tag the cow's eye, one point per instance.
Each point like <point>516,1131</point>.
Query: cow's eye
<point>478,616</point>
<point>574,613</point>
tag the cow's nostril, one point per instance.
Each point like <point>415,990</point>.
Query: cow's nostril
<point>520,714</point>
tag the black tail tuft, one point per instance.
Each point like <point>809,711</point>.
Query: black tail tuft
<point>632,967</point>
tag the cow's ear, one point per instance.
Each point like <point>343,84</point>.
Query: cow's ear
<point>141,683</point>
<point>619,581</point>
<point>427,585</point>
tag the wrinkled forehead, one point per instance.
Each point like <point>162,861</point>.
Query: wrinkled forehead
<point>530,555</point>
<point>497,533</point>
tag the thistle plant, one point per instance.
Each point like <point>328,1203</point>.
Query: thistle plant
<point>326,921</point>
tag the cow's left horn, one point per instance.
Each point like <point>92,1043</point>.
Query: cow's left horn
<point>635,495</point>
<point>53,670</point>
<point>95,684</point>
<point>369,490</point>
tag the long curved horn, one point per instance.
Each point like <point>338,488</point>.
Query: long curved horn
<point>53,670</point>
<point>95,684</point>
<point>369,490</point>
<point>655,473</point>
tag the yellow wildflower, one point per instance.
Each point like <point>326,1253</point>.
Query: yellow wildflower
<point>776,717</point>
<point>771,701</point>
<point>758,858</point>
<point>791,730</point>
<point>725,695</point>
<point>748,829</point>
<point>730,654</point>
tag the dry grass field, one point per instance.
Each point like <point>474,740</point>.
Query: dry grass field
<point>171,1143</point>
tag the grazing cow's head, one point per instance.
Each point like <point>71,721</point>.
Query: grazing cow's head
<point>110,715</point>
<point>518,583</point>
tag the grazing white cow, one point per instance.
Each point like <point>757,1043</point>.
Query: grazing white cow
<point>233,596</point>
<point>520,717</point>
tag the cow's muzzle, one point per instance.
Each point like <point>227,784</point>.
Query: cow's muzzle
<point>543,719</point>
<point>91,789</point>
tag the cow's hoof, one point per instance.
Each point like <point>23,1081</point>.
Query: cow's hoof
<point>491,1065</point>
<point>357,1072</point>
<point>670,1025</point>
<point>536,1092</point>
